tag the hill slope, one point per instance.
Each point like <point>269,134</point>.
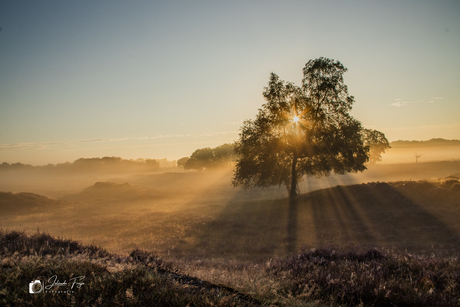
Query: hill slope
<point>420,216</point>
<point>430,143</point>
<point>92,276</point>
<point>27,203</point>
<point>76,275</point>
<point>114,191</point>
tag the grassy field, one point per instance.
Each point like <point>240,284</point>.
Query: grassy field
<point>245,239</point>
<point>94,277</point>
<point>321,277</point>
<point>196,215</point>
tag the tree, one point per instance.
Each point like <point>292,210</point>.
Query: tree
<point>207,158</point>
<point>200,159</point>
<point>151,163</point>
<point>223,154</point>
<point>181,162</point>
<point>304,130</point>
<point>377,143</point>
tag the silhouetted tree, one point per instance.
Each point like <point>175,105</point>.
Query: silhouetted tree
<point>300,131</point>
<point>417,156</point>
<point>165,163</point>
<point>181,162</point>
<point>151,163</point>
<point>223,154</point>
<point>377,143</point>
<point>200,159</point>
<point>206,158</point>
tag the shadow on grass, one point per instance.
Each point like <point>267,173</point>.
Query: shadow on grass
<point>357,216</point>
<point>213,220</point>
<point>380,215</point>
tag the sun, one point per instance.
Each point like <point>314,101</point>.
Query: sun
<point>295,119</point>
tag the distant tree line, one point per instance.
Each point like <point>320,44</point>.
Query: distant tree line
<point>105,164</point>
<point>209,158</point>
<point>436,142</point>
<point>165,163</point>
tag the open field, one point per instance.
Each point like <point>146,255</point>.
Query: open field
<point>230,236</point>
<point>429,151</point>
<point>198,215</point>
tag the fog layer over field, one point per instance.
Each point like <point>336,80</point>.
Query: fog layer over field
<point>199,214</point>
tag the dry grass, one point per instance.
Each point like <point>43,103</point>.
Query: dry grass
<point>322,277</point>
<point>217,222</point>
<point>243,239</point>
<point>140,279</point>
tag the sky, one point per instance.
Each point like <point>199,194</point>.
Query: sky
<point>160,79</point>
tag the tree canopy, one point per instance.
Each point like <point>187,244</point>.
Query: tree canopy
<point>377,143</point>
<point>208,158</point>
<point>181,162</point>
<point>301,130</point>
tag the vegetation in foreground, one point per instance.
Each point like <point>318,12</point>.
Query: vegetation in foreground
<point>318,277</point>
<point>141,279</point>
<point>371,278</point>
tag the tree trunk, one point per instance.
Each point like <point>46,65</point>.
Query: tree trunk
<point>293,192</point>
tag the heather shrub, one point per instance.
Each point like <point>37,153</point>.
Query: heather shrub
<point>140,279</point>
<point>371,278</point>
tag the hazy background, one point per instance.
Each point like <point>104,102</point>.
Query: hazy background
<point>198,215</point>
<point>157,79</point>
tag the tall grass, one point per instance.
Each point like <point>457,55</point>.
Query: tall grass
<point>235,250</point>
<point>140,279</point>
<point>372,278</point>
<point>322,277</point>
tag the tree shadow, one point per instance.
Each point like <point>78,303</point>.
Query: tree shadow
<point>292,226</point>
<point>259,224</point>
<point>336,218</point>
<point>379,215</point>
<point>256,223</point>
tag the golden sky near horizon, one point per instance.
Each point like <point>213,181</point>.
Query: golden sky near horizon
<point>158,79</point>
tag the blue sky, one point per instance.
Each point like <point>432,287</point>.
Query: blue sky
<point>156,79</point>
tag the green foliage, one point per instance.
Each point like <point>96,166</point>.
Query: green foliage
<point>377,143</point>
<point>300,131</point>
<point>208,158</point>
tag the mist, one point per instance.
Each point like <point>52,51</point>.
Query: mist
<point>206,228</point>
<point>126,204</point>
